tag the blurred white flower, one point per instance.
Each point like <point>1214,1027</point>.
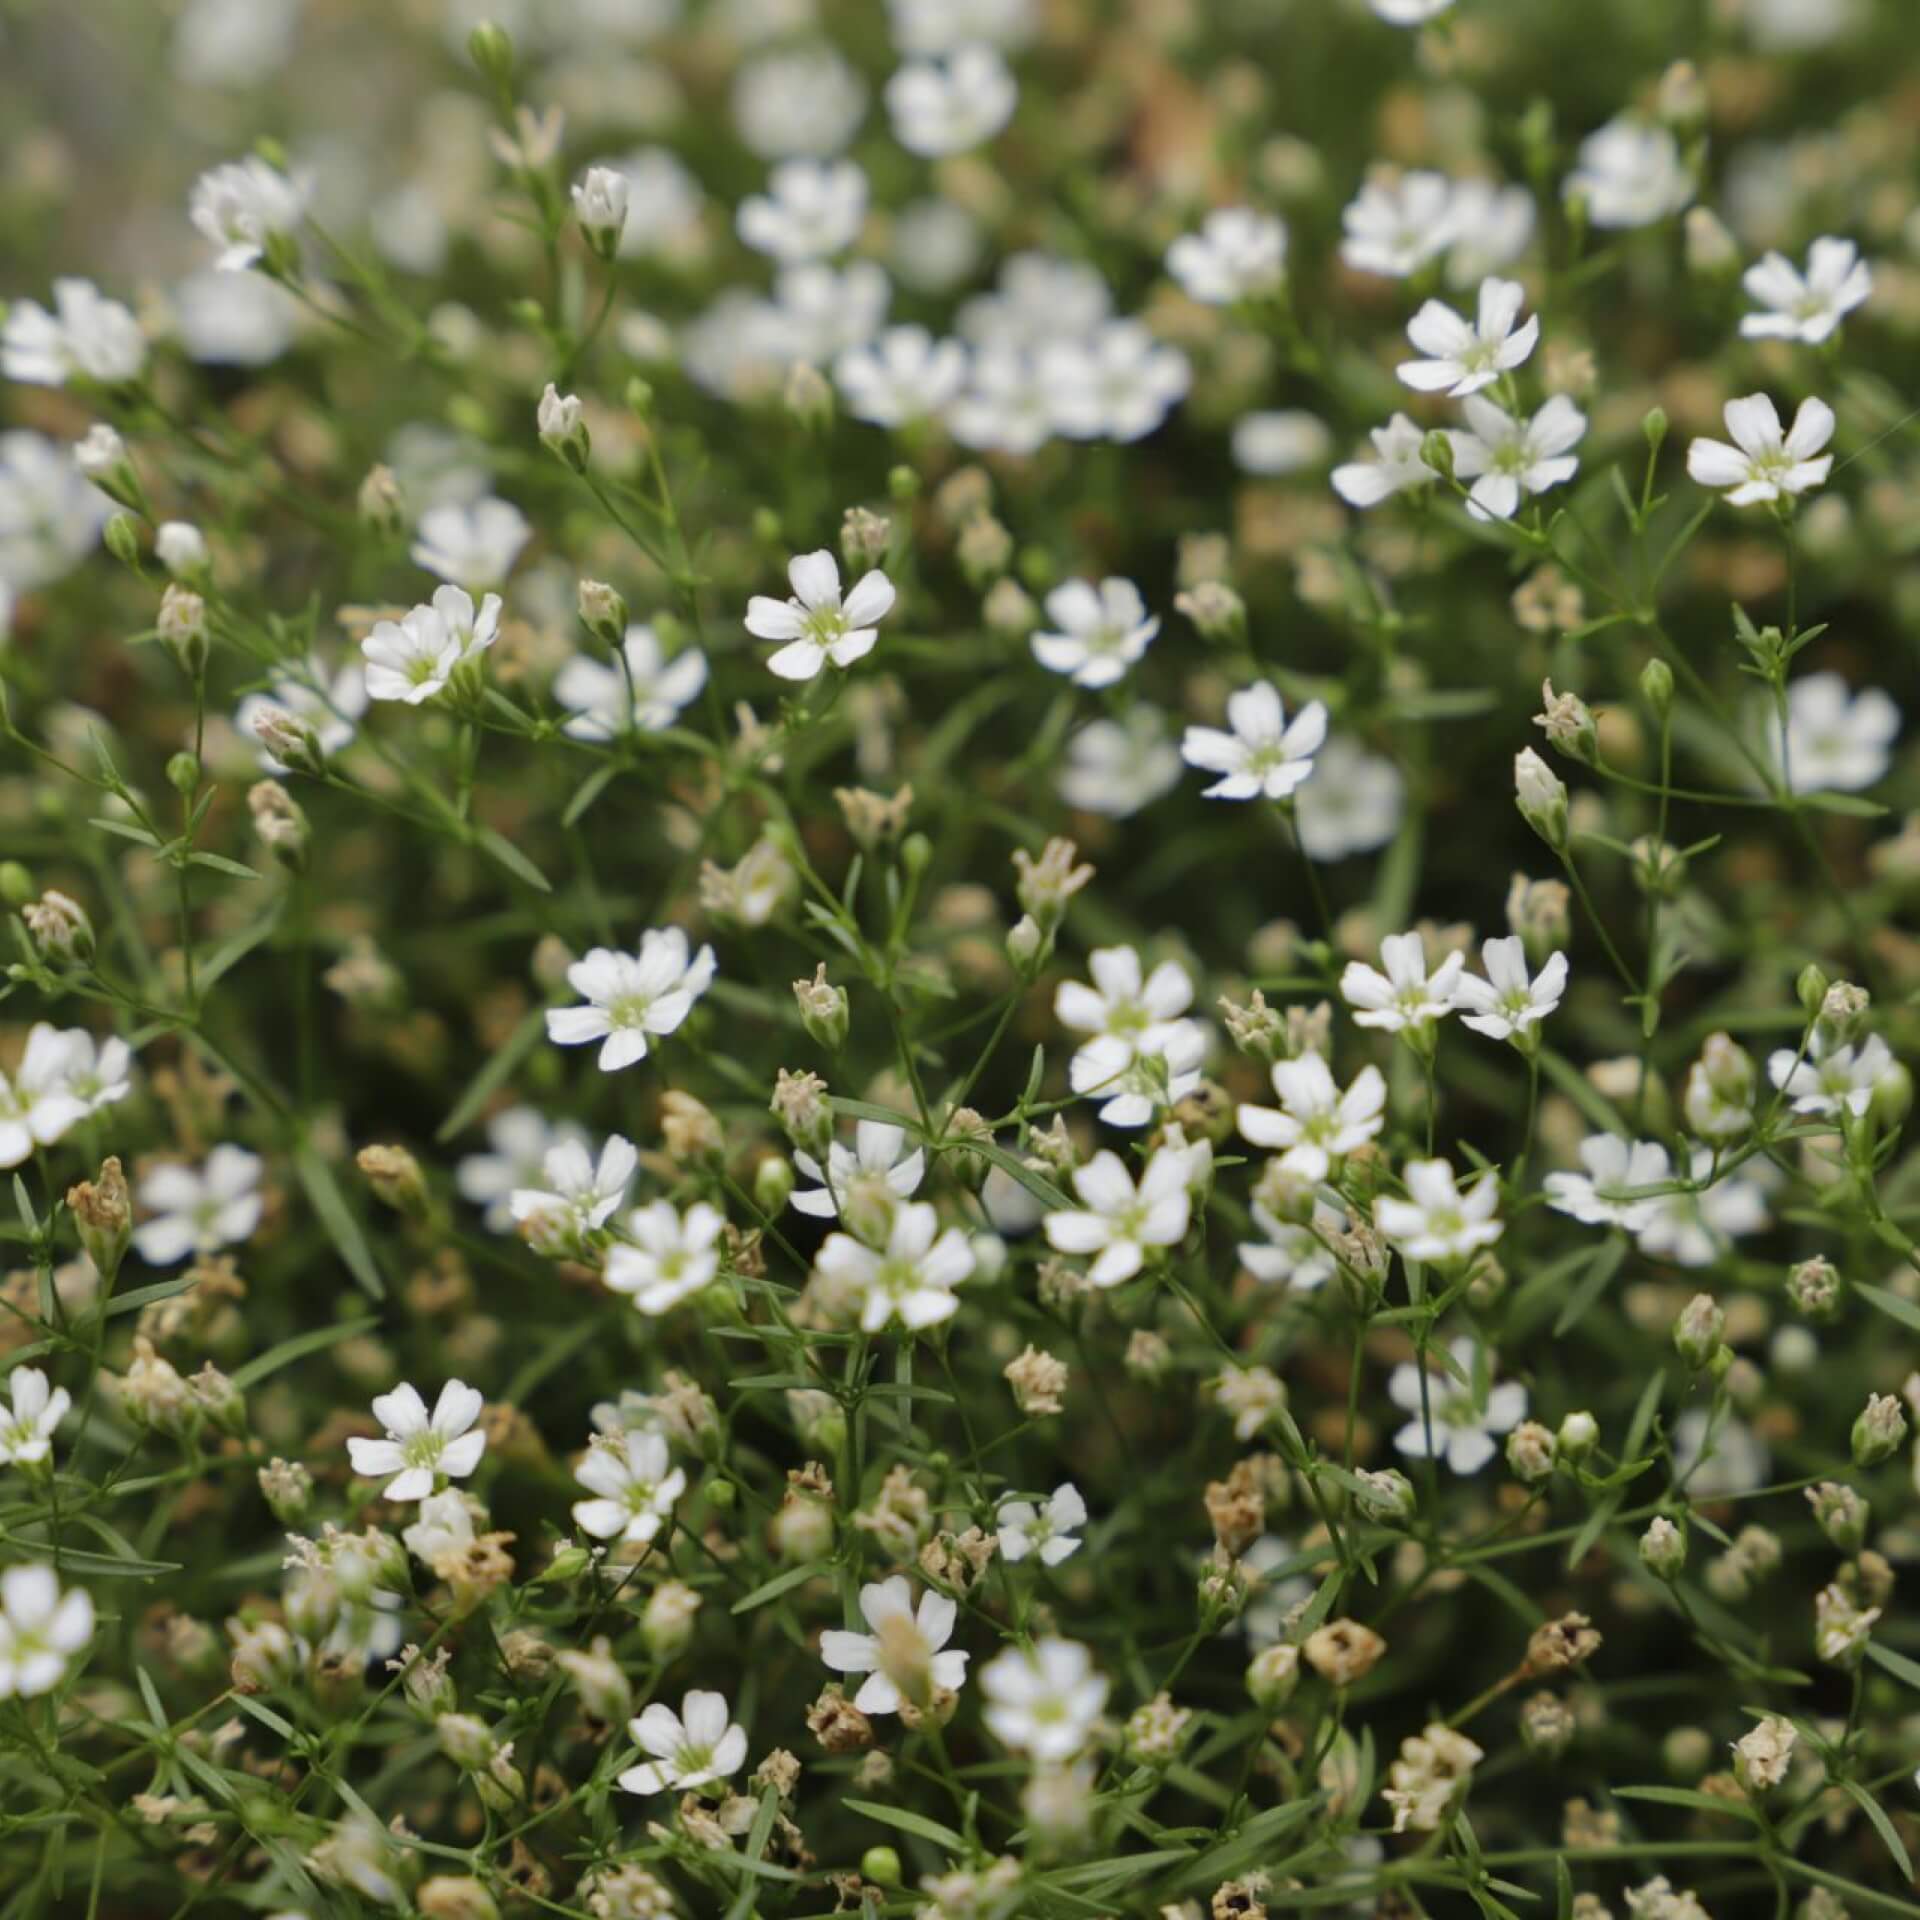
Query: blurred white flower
<point>518,1142</point>
<point>86,336</point>
<point>1101,631</point>
<point>1116,767</point>
<point>952,103</point>
<point>1287,441</point>
<point>1118,384</point>
<point>905,374</point>
<point>803,100</point>
<point>1464,356</point>
<point>1450,1421</point>
<point>811,210</point>
<point>672,1257</point>
<point>1049,1527</point>
<point>646,694</point>
<point>198,1210</point>
<point>1238,254</point>
<point>1836,740</point>
<point>1630,174</point>
<point>1043,1700</point>
<point>1352,804</point>
<point>1397,464</point>
<point>1395,224</point>
<point>245,206</point>
<point>1806,307</point>
<point>471,546</point>
<point>42,1630</point>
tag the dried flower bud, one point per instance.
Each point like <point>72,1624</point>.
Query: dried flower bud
<point>1343,1651</point>
<point>1568,724</point>
<point>824,1010</point>
<point>1841,1513</point>
<point>60,928</point>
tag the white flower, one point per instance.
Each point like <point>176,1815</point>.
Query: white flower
<point>1103,631</point>
<point>1287,441</point>
<point>182,548</point>
<point>1118,1222</point>
<point>673,1258</point>
<point>799,100</point>
<point>1507,1003</point>
<point>646,696</point>
<point>1119,383</point>
<point>414,658</point>
<point>1836,741</point>
<point>1316,1124</point>
<point>1238,254</point>
<point>912,1280</point>
<point>939,26</point>
<point>244,206</point>
<point>86,336</point>
<point>1464,356</point>
<point>1041,298</point>
<point>1806,308</point>
<point>1394,226</point>
<point>199,1210</point>
<point>1133,1080</point>
<point>1006,406</point>
<point>445,1526</point>
<point>1439,1222</point>
<point>1512,457</point>
<point>812,209</point>
<point>906,374</point>
<point>1043,1700</point>
<point>600,200</point>
<point>1695,1229</point>
<point>579,1196</point>
<point>26,1438</point>
<point>1352,804</point>
<point>1397,464</point>
<point>1491,226</point>
<point>1048,1528</point>
<point>1630,175</point>
<point>878,1157</point>
<point>327,702</point>
<point>1116,767</point>
<point>1130,1021</point>
<point>1605,1195</point>
<point>634,1487</point>
<point>518,1141</point>
<point>59,1081</point>
<point>41,1630</point>
<point>815,623</point>
<point>1292,1255</point>
<point>1265,755</point>
<point>1406,994</point>
<point>50,514</point>
<point>472,545</point>
<point>631,998</point>
<point>1739,1462</point>
<point>946,106</point>
<point>692,1748</point>
<point>902,1657</point>
<point>664,203</point>
<point>1763,463</point>
<point>419,1445</point>
<point>1452,1422</point>
<point>1409,13</point>
<point>1831,1080</point>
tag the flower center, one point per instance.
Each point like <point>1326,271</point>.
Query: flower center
<point>422,1449</point>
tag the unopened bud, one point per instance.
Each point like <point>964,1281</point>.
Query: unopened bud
<point>60,928</point>
<point>1656,686</point>
<point>809,396</point>
<point>1541,796</point>
<point>102,1211</point>
<point>182,625</point>
<point>1881,1427</point>
<point>1841,1514</point>
<point>1578,1436</point>
<point>823,1010</point>
<point>281,823</point>
<point>380,507</point>
<point>1272,1675</point>
<point>563,428</point>
<point>1697,1332</point>
<point>1814,1287</point>
<point>1663,1548</point>
<point>395,1177</point>
<point>600,205</point>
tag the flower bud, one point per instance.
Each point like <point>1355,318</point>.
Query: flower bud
<point>1698,1330</point>
<point>1663,1548</point>
<point>183,774</point>
<point>1653,429</point>
<point>1567,722</point>
<point>455,1896</point>
<point>1578,1436</point>
<point>183,550</point>
<point>603,612</point>
<point>281,823</point>
<point>881,1865</point>
<point>563,428</point>
<point>1656,686</point>
<point>182,625</point>
<point>1272,1675</point>
<point>491,49</point>
<point>1387,1495</point>
<point>808,396</point>
<point>1027,946</point>
<point>1530,1452</point>
<point>1711,250</point>
<point>1811,990</point>
<point>60,927</point>
<point>287,1488</point>
<point>1815,1287</point>
<point>1541,796</point>
<point>121,538</point>
<point>1841,1515</point>
<point>600,205</point>
<point>773,1184</point>
<point>823,1010</point>
<point>289,739</point>
<point>801,1106</point>
<point>102,1210</point>
<point>396,1179</point>
<point>1761,1759</point>
<point>667,1624</point>
<point>1547,1725</point>
<point>379,504</point>
<point>1881,1427</point>
<point>1436,451</point>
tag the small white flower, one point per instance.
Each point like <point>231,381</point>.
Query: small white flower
<point>631,998</point>
<point>1438,1221</point>
<point>1043,1700</point>
<point>1117,384</point>
<point>947,106</point>
<point>1464,356</point>
<point>59,1081</point>
<point>86,336</point>
<point>633,1484</point>
<point>1491,226</point>
<point>1238,254</point>
<point>811,210</point>
<point>673,1256</point>
<point>421,1446</point>
<point>1831,1080</point>
<point>445,1526</point>
<point>1808,307</point>
<point>1763,463</point>
<point>1452,1422</point>
<point>647,696</point>
<point>1696,1229</point>
<point>1133,1080</point>
<point>1049,1528</point>
<point>1397,464</point>
<point>1395,225</point>
<point>600,200</point>
<point>798,100</point>
<point>415,658</point>
<point>472,545</point>
<point>1287,441</point>
<point>1131,1021</point>
<point>1117,1222</point>
<point>1607,1193</point>
<point>1116,767</point>
<point>1507,1004</point>
<point>815,623</point>
<point>1630,175</point>
<point>1316,1124</point>
<point>1265,755</point>
<point>1102,631</point>
<point>182,548</point>
<point>1406,994</point>
<point>878,1155</point>
<point>912,1279</point>
<point>940,26</point>
<point>244,206</point>
<point>906,374</point>
<point>328,701</point>
<point>578,1196</point>
<point>1506,458</point>
<point>1353,803</point>
<point>1409,13</point>
<point>1291,1254</point>
<point>1006,406</point>
<point>1836,741</point>
<point>199,1210</point>
<point>903,1656</point>
<point>26,1437</point>
<point>691,1749</point>
<point>518,1142</point>
<point>41,1630</point>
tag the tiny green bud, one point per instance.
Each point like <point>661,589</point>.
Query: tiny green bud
<point>1653,425</point>
<point>1812,990</point>
<point>1663,1548</point>
<point>915,852</point>
<point>903,484</point>
<point>1656,686</point>
<point>1272,1675</point>
<point>773,1184</point>
<point>1436,451</point>
<point>16,883</point>
<point>1541,796</point>
<point>1881,1427</point>
<point>639,397</point>
<point>183,774</point>
<point>823,1010</point>
<point>1697,1332</point>
<point>1841,1514</point>
<point>1578,1436</point>
<point>122,540</point>
<point>491,48</point>
<point>881,1865</point>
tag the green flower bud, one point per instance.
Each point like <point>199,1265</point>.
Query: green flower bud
<point>1881,1427</point>
<point>881,1865</point>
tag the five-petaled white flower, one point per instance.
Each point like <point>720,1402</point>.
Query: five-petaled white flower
<point>1763,463</point>
<point>1043,1700</point>
<point>244,206</point>
<point>1406,995</point>
<point>633,1483</point>
<point>1806,307</point>
<point>579,1196</point>
<point>1102,631</point>
<point>1607,1193</point>
<point>1138,1036</point>
<point>811,210</point>
<point>945,106</point>
<point>26,1435</point>
<point>1316,1124</point>
<point>877,1160</point>
<point>1835,740</point>
<point>1831,1080</point>
<point>1238,254</point>
<point>1397,464</point>
<point>643,695</point>
<point>1395,224</point>
<point>1118,1222</point>
<point>1508,1004</point>
<point>199,1209</point>
<point>815,622</point>
<point>1265,755</point>
<point>1693,1229</point>
<point>903,374</point>
<point>1505,457</point>
<point>672,1255</point>
<point>912,1279</point>
<point>48,1093</point>
<point>1438,1221</point>
<point>693,1748</point>
<point>1048,1527</point>
<point>471,546</point>
<point>420,1447</point>
<point>631,998</point>
<point>1118,383</point>
<point>41,1630</point>
<point>86,336</point>
<point>1452,1421</point>
<point>415,657</point>
<point>903,1656</point>
<point>1465,355</point>
<point>518,1142</point>
<point>1631,174</point>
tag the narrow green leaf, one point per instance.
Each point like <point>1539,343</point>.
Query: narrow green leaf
<point>317,1340</point>
<point>781,1583</point>
<point>499,1068</point>
<point>496,846</point>
<point>1890,1304</point>
<point>1882,1825</point>
<point>914,1823</point>
<point>338,1219</point>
